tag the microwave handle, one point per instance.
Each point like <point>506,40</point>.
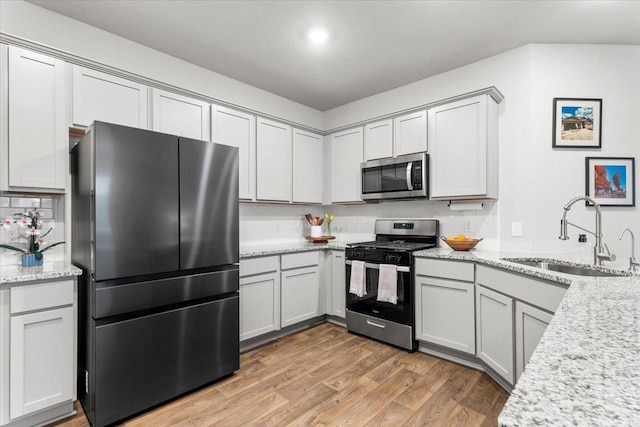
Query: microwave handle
<point>409,180</point>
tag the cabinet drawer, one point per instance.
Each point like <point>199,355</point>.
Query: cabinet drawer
<point>446,269</point>
<point>40,296</point>
<point>301,259</point>
<point>542,293</point>
<point>251,266</point>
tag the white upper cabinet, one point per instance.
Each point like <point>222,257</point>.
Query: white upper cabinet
<point>180,115</point>
<point>346,156</point>
<point>101,96</point>
<point>378,140</point>
<point>307,167</point>
<point>273,161</point>
<point>34,147</point>
<point>410,133</point>
<point>463,148</point>
<point>238,129</point>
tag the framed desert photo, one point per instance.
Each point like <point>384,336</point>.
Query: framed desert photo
<point>577,123</point>
<point>611,180</point>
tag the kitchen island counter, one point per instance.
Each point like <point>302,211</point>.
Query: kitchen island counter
<point>586,369</point>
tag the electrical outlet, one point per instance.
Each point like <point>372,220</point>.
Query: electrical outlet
<point>467,226</point>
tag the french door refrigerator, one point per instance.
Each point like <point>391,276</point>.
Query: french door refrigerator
<point>155,230</point>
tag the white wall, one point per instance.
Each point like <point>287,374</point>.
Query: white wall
<point>33,23</point>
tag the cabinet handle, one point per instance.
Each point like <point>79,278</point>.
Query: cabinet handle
<point>376,324</point>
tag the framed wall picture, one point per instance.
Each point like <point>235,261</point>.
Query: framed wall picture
<point>577,123</point>
<point>610,181</point>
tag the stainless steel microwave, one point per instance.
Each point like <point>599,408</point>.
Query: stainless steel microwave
<point>401,177</point>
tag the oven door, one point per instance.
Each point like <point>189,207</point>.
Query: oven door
<point>402,312</point>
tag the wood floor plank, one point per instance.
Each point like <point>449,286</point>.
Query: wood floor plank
<point>418,362</point>
<point>336,364</point>
<point>340,402</point>
<point>325,376</point>
<point>288,413</point>
<point>462,416</point>
<point>365,409</point>
<point>477,398</point>
<point>342,379</point>
<point>392,415</point>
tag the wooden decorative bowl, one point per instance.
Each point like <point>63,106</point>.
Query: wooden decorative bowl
<point>462,245</point>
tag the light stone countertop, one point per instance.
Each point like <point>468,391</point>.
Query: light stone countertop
<point>250,251</point>
<point>10,274</point>
<point>586,369</point>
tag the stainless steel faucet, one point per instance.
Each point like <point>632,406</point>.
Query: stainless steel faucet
<point>634,264</point>
<point>599,254</point>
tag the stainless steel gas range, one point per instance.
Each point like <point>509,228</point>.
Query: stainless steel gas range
<point>379,280</point>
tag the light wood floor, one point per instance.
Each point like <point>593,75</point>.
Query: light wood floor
<point>326,376</point>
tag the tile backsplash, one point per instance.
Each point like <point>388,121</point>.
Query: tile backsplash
<point>51,209</point>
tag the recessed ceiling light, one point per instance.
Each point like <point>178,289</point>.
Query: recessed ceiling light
<point>318,35</point>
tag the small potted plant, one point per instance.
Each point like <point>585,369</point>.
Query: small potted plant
<point>33,238</point>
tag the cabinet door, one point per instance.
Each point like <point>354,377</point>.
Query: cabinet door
<point>494,331</point>
<point>410,133</point>
<point>346,156</point>
<point>259,305</point>
<point>38,135</point>
<point>41,360</point>
<point>179,115</point>
<point>458,142</point>
<point>273,161</point>
<point>378,140</point>
<point>530,326</point>
<point>445,313</point>
<point>338,284</point>
<point>300,295</point>
<point>101,96</point>
<point>238,129</point>
<point>307,167</point>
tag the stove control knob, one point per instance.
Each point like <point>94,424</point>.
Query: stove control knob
<point>392,258</point>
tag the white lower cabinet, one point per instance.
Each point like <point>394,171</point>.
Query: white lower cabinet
<point>37,344</point>
<point>445,302</point>
<point>259,296</point>
<point>278,291</point>
<point>300,287</point>
<point>446,314</point>
<point>41,360</point>
<point>338,285</point>
<point>494,331</point>
<point>530,325</point>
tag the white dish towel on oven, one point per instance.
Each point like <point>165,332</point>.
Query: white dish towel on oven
<point>356,284</point>
<point>388,283</point>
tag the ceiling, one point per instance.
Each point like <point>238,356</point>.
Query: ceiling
<point>374,46</point>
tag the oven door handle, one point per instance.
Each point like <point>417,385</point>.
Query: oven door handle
<point>401,269</point>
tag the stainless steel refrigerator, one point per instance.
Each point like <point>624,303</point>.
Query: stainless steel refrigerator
<point>155,226</point>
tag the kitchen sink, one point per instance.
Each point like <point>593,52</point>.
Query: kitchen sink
<point>568,269</point>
